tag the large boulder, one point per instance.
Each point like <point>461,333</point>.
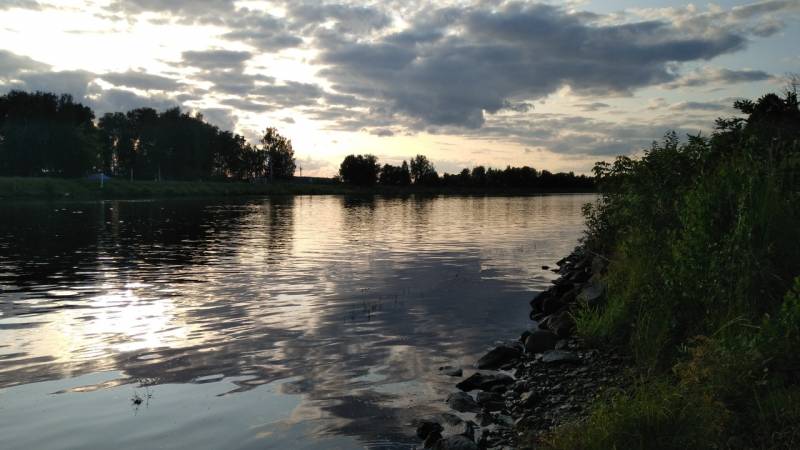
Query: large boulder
<point>561,324</point>
<point>484,382</point>
<point>462,402</point>
<point>560,357</point>
<point>539,341</point>
<point>499,356</point>
<point>451,371</point>
<point>427,427</point>
<point>457,442</point>
<point>490,401</point>
<point>592,294</point>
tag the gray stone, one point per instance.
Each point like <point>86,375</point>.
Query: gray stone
<point>457,442</point>
<point>484,382</point>
<point>490,401</point>
<point>427,427</point>
<point>498,357</point>
<point>561,324</point>
<point>451,371</point>
<point>462,402</point>
<point>592,294</point>
<point>560,356</point>
<point>539,341</point>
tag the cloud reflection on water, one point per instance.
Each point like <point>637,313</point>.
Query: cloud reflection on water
<point>356,300</point>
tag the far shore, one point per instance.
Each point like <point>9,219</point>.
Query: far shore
<point>42,188</point>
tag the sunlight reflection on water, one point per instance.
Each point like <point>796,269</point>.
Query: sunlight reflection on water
<point>293,322</point>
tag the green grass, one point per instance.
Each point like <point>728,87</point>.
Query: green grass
<point>21,188</point>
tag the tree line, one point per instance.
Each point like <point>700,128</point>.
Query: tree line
<point>43,134</point>
<point>365,170</point>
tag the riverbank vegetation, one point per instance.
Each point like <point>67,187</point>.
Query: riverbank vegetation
<point>364,170</point>
<point>45,135</point>
<point>702,288</point>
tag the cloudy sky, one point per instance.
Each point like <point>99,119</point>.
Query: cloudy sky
<point>553,85</point>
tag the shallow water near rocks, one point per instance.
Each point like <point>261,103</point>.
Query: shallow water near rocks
<point>289,322</point>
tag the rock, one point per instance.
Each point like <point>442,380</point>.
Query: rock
<point>539,341</point>
<point>592,294</point>
<point>598,264</point>
<point>484,418</point>
<point>484,381</point>
<point>529,399</point>
<point>432,440</point>
<point>560,356</point>
<point>457,442</point>
<point>536,302</point>
<point>561,324</point>
<point>499,356</point>
<point>451,371</point>
<point>490,401</point>
<point>427,427</point>
<point>545,267</point>
<point>551,305</point>
<point>462,402</point>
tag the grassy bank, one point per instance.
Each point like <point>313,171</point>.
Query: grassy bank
<point>702,289</point>
<point>17,188</point>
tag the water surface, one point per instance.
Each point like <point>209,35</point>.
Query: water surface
<point>292,322</point>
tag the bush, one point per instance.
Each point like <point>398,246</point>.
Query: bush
<point>704,243</point>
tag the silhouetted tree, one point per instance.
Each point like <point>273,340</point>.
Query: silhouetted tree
<point>280,155</point>
<point>395,175</point>
<point>359,169</point>
<point>422,171</point>
<point>42,134</point>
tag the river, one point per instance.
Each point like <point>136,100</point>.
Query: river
<point>307,322</point>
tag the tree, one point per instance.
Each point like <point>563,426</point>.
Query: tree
<point>280,155</point>
<point>42,134</point>
<point>359,169</point>
<point>395,175</point>
<point>422,170</point>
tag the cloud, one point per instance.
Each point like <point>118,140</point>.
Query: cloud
<point>113,100</point>
<point>186,8</point>
<point>21,4</point>
<point>722,105</point>
<point>487,59</point>
<point>214,59</point>
<point>223,118</point>
<point>716,76</point>
<point>594,106</point>
<point>12,64</point>
<point>141,80</point>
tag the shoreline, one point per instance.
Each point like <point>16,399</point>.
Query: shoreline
<point>21,188</point>
<point>524,389</point>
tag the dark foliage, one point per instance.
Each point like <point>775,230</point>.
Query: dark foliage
<point>360,169</point>
<point>42,134</point>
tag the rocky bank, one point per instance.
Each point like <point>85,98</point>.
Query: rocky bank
<point>523,389</point>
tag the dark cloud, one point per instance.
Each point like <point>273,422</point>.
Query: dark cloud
<point>21,4</point>
<point>715,106</point>
<point>261,30</point>
<point>223,118</point>
<point>142,80</point>
<point>716,76</point>
<point>214,59</point>
<point>594,106</point>
<point>112,100</point>
<point>289,94</point>
<point>12,64</point>
<point>498,56</point>
<point>187,8</point>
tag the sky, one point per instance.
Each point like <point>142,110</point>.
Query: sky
<point>552,85</point>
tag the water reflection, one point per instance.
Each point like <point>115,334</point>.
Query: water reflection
<point>340,307</point>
